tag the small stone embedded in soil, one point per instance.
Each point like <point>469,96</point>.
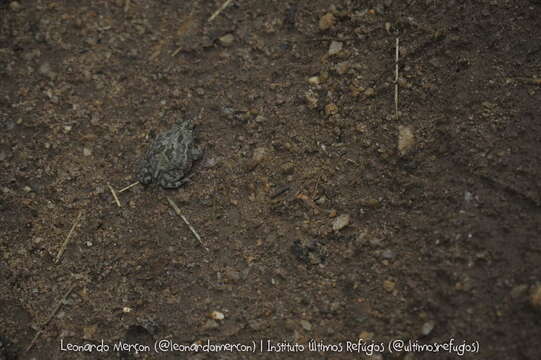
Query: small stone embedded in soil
<point>535,297</point>
<point>342,67</point>
<point>87,151</point>
<point>331,109</point>
<point>89,332</point>
<point>327,21</point>
<point>321,200</point>
<point>389,285</point>
<point>388,254</point>
<point>427,327</point>
<point>306,325</point>
<point>314,80</point>
<point>311,100</point>
<point>217,315</point>
<point>227,40</point>
<point>370,92</point>
<point>366,335</point>
<point>15,5</point>
<point>335,47</point>
<point>341,222</point>
<point>210,324</point>
<point>45,69</point>
<point>259,154</point>
<point>406,139</point>
<point>519,291</point>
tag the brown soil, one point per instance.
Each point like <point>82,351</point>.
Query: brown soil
<point>442,238</point>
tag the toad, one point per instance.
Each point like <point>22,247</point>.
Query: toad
<point>170,157</point>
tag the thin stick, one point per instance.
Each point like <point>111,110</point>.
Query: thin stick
<point>128,187</point>
<point>534,81</point>
<point>280,191</point>
<point>315,186</point>
<point>217,12</point>
<point>53,313</point>
<point>177,210</point>
<point>396,82</point>
<point>66,241</point>
<point>114,195</point>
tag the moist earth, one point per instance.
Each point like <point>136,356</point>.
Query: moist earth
<point>328,207</point>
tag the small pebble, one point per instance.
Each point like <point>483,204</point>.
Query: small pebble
<point>311,100</point>
<point>45,69</point>
<point>15,5</point>
<point>370,92</point>
<point>87,151</point>
<point>389,285</point>
<point>340,222</point>
<point>342,67</point>
<point>95,119</point>
<point>259,154</point>
<point>535,297</point>
<point>406,139</point>
<point>388,254</point>
<point>331,109</point>
<point>327,21</point>
<point>366,335</point>
<point>314,80</point>
<point>89,332</point>
<point>227,40</point>
<point>210,324</point>
<point>321,200</point>
<point>216,315</point>
<point>428,327</point>
<point>335,47</point>
<point>306,325</point>
<point>519,291</point>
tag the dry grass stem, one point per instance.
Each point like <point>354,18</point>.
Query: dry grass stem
<point>53,313</point>
<point>114,195</point>
<point>66,241</point>
<point>127,187</point>
<point>177,211</point>
<point>396,81</point>
<point>217,12</point>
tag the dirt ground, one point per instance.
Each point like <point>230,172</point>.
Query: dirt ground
<point>324,215</point>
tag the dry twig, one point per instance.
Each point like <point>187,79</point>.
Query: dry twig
<point>217,12</point>
<point>53,313</point>
<point>396,82</point>
<point>114,195</point>
<point>66,241</point>
<point>177,211</point>
<point>127,187</point>
<point>533,81</point>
